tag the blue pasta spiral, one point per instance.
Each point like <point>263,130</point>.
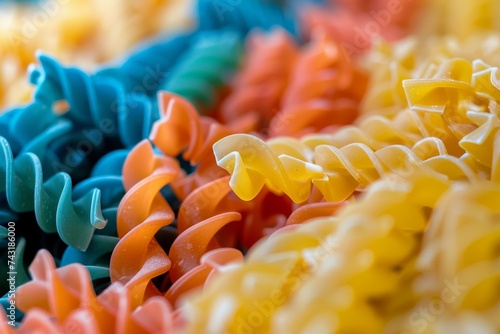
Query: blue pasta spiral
<point>146,68</point>
<point>98,104</point>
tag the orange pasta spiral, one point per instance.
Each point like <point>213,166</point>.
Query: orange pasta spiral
<point>139,257</point>
<point>63,300</point>
<point>325,90</point>
<point>263,78</point>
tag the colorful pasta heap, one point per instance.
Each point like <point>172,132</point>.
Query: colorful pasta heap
<point>327,282</point>
<point>451,105</point>
<point>264,172</point>
<point>329,273</point>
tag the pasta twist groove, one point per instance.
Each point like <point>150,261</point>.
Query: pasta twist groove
<point>51,200</point>
<point>96,102</point>
<point>259,85</point>
<point>325,90</point>
<point>106,176</point>
<point>337,172</point>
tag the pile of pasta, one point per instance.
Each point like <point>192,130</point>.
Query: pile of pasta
<point>263,172</point>
<point>78,32</point>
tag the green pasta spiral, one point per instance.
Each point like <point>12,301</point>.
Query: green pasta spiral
<point>205,68</point>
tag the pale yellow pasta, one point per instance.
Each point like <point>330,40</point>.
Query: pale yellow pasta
<point>129,22</point>
<point>458,286</point>
<point>414,57</point>
<point>78,32</point>
<point>461,19</point>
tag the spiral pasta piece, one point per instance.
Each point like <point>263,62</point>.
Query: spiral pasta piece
<point>138,257</point>
<point>325,90</point>
<point>55,211</point>
<point>452,104</point>
<point>259,85</point>
<point>62,300</point>
<point>99,103</point>
<point>138,224</point>
<point>205,67</point>
<point>106,176</point>
<point>336,172</point>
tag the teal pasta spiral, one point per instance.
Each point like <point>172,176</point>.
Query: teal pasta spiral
<point>22,181</point>
<point>106,176</point>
